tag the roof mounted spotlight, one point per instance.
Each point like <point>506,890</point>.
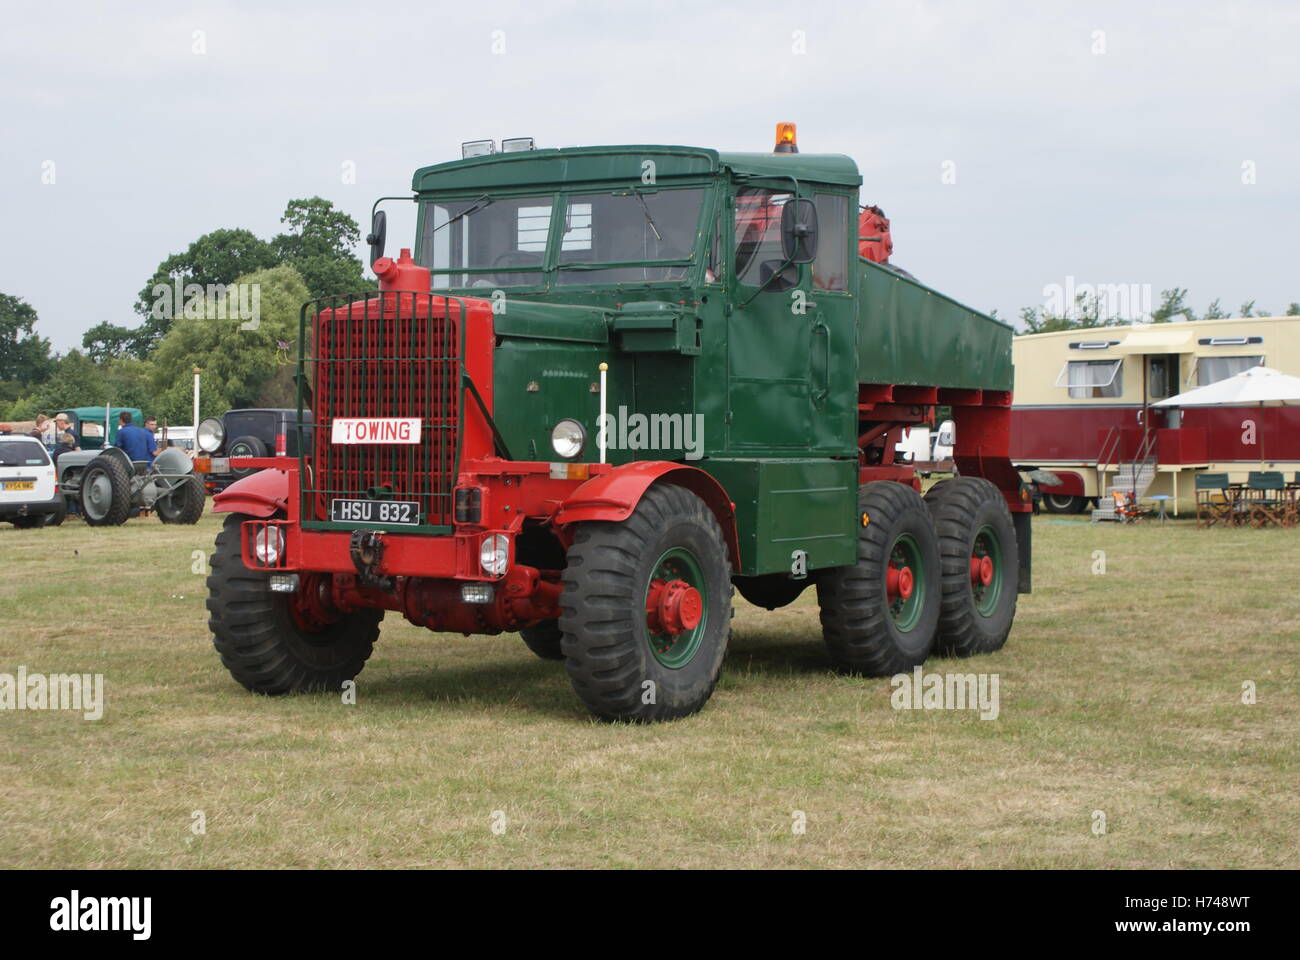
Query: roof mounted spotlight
<point>477,148</point>
<point>786,142</point>
<point>518,144</point>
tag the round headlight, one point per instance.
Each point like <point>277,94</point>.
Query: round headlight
<point>494,555</point>
<point>568,438</point>
<point>210,435</point>
<point>268,544</point>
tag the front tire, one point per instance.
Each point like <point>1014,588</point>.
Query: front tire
<point>981,565</point>
<point>105,492</point>
<point>261,642</point>
<point>879,616</point>
<point>646,609</point>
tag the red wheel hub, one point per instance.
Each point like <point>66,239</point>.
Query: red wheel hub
<point>673,607</point>
<point>981,570</point>
<point>899,581</point>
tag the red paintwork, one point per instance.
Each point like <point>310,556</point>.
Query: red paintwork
<point>401,274</point>
<point>1206,435</point>
<point>875,243</point>
<point>899,581</point>
<point>259,495</point>
<point>981,570</point>
<point>673,607</point>
<point>615,495</point>
<point>1071,485</point>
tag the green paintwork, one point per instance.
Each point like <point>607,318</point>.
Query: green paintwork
<point>906,611</point>
<point>774,386</point>
<point>987,544</point>
<point>675,652</point>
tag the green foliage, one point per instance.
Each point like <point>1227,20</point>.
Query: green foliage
<point>1214,311</point>
<point>1172,305</point>
<point>217,257</point>
<point>236,363</point>
<point>319,246</point>
<point>24,356</point>
<point>1293,310</point>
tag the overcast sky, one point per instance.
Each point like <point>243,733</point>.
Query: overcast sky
<point>1108,142</point>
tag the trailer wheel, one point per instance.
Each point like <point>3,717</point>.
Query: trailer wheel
<point>184,504</point>
<point>269,645</point>
<point>981,564</point>
<point>544,639</point>
<point>1063,503</point>
<point>646,609</point>
<point>105,492</point>
<point>879,615</point>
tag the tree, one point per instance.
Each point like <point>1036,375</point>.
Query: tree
<point>237,358</point>
<point>1172,305</point>
<point>1293,310</point>
<point>319,246</point>
<point>1214,311</point>
<point>106,341</point>
<point>24,356</point>
<point>215,258</point>
<point>77,381</point>
<point>1248,309</point>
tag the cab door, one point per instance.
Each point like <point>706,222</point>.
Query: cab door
<point>770,402</point>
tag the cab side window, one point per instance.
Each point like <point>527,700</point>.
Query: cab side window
<point>758,231</point>
<point>830,269</point>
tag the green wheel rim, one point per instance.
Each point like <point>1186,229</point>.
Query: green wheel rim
<point>675,652</point>
<point>988,545</point>
<point>906,611</point>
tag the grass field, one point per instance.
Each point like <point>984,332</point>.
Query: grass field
<point>1120,693</point>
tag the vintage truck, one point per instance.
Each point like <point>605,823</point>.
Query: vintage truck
<point>612,384</point>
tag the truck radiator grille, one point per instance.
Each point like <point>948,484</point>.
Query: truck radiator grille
<point>391,355</point>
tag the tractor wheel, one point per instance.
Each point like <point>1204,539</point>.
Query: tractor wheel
<point>544,639</point>
<point>267,643</point>
<point>184,504</point>
<point>981,565</point>
<point>771,590</point>
<point>105,492</point>
<point>646,609</point>
<point>1063,503</point>
<point>879,615</point>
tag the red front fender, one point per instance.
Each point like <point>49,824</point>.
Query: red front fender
<point>260,494</point>
<point>615,495</point>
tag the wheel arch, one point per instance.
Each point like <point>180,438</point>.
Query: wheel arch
<point>616,494</point>
<point>259,494</point>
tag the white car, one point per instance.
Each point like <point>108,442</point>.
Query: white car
<point>29,490</point>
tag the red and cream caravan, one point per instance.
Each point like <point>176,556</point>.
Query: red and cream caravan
<point>1083,408</point>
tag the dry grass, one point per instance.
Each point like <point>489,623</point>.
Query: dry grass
<point>1120,693</point>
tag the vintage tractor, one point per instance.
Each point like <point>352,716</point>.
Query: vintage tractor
<point>107,488</point>
<point>611,385</point>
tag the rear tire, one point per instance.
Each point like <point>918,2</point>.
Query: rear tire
<point>615,661</point>
<point>869,629</point>
<point>105,492</point>
<point>183,505</point>
<point>261,643</point>
<point>972,520</point>
<point>545,639</point>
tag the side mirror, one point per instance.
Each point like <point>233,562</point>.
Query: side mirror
<point>947,433</point>
<point>378,235</point>
<point>799,230</point>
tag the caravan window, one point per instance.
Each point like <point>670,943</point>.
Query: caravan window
<point>1213,369</point>
<point>1092,378</point>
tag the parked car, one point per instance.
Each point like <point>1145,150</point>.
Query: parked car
<point>180,437</point>
<point>29,489</point>
<point>256,432</point>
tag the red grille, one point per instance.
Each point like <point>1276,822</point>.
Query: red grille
<point>385,355</point>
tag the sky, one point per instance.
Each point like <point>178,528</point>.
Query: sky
<point>1014,145</point>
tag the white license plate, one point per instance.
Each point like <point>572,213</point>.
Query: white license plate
<point>374,430</point>
<point>375,511</point>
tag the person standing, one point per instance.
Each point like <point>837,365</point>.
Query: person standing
<point>138,442</point>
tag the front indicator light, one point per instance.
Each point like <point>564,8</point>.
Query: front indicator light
<point>494,555</point>
<point>477,593</point>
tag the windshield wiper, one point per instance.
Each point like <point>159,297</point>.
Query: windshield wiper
<point>479,204</point>
<point>648,219</point>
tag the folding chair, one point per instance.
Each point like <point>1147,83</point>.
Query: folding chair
<point>1268,499</point>
<point>1213,505</point>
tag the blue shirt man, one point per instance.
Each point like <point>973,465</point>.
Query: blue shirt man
<point>136,441</point>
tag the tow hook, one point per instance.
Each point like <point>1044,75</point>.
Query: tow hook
<point>366,547</point>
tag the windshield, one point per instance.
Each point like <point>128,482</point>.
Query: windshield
<point>624,236</point>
